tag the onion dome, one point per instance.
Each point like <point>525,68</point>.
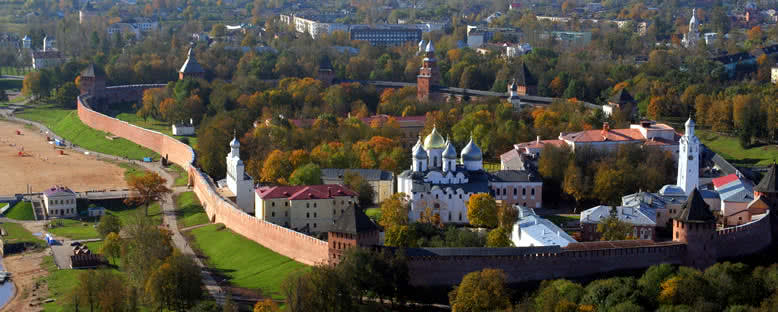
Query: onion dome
<point>421,45</point>
<point>430,47</point>
<point>419,153</point>
<point>689,122</point>
<point>434,140</point>
<point>234,143</point>
<point>449,152</point>
<point>471,151</point>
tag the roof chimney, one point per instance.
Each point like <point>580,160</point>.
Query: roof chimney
<point>537,140</point>
<point>606,126</point>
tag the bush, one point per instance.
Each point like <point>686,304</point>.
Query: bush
<point>184,140</point>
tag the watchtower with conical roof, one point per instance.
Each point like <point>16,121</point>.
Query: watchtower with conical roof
<point>191,69</point>
<point>695,225</point>
<point>326,73</point>
<point>351,230</point>
<point>767,191</point>
<point>526,83</point>
<point>92,80</point>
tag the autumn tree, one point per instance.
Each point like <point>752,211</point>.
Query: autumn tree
<point>108,224</point>
<point>267,305</point>
<point>483,290</point>
<point>36,83</point>
<point>98,290</point>
<point>176,284</point>
<point>65,96</point>
<point>613,229</point>
<point>358,184</point>
<point>499,237</point>
<point>146,188</point>
<point>482,210</point>
<point>394,211</point>
<point>276,168</point>
<point>573,183</point>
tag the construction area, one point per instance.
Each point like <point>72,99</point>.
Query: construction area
<point>29,158</point>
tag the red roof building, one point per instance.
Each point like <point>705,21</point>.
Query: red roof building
<point>305,208</point>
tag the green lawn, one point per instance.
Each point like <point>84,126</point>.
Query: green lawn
<point>67,124</point>
<point>189,212</point>
<point>729,148</point>
<point>246,263</point>
<point>18,234</point>
<point>21,211</point>
<point>182,177</point>
<point>155,125</point>
<point>60,283</point>
<point>74,229</point>
<point>131,169</point>
<point>562,220</point>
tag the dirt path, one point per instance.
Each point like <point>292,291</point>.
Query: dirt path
<point>26,269</point>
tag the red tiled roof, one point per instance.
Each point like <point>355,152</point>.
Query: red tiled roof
<point>721,181</point>
<point>510,155</point>
<point>303,192</point>
<point>601,136</point>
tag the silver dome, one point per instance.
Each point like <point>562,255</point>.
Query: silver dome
<point>449,152</point>
<point>471,151</point>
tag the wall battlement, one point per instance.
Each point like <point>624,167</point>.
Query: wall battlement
<point>427,266</point>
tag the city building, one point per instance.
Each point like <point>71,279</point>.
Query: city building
<point>191,69</point>
<point>571,37</point>
<point>351,229</point>
<point>237,186</point>
<point>26,42</point>
<point>526,83</point>
<point>183,128</point>
<point>533,231</point>
<point>385,34</point>
<point>87,13</point>
<point>736,194</point>
<point>45,59</point>
<point>60,202</point>
<point>442,183</point>
<point>314,25</point>
<point>382,181</point>
<point>642,218</point>
<point>691,38</point>
<point>135,26</point>
<point>512,50</point>
<point>306,208</point>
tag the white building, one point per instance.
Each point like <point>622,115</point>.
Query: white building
<point>691,38</point>
<point>688,159</point>
<point>534,231</point>
<point>184,128</point>
<point>774,74</point>
<point>311,26</point>
<point>517,50</point>
<point>60,202</point>
<point>642,218</point>
<point>439,181</point>
<point>238,184</point>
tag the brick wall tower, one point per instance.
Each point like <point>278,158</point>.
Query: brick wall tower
<point>352,229</point>
<point>326,73</point>
<point>92,81</point>
<point>767,190</point>
<point>527,84</point>
<point>695,225</point>
<point>428,74</point>
<point>191,69</point>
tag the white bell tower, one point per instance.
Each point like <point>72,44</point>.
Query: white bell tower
<point>237,181</point>
<point>688,159</point>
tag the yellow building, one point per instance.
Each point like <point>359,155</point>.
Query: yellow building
<point>382,181</point>
<point>311,208</point>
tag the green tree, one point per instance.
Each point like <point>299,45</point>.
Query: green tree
<point>108,224</point>
<point>36,83</point>
<point>145,247</point>
<point>112,246</point>
<point>482,210</point>
<point>400,236</point>
<point>483,290</point>
<point>65,96</point>
<point>499,237</point>
<point>358,184</point>
<point>309,174</point>
<point>176,285</point>
<point>218,30</point>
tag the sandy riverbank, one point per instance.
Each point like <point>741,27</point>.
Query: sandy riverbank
<point>26,268</point>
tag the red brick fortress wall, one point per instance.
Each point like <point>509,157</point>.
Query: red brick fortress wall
<point>744,239</point>
<point>297,246</point>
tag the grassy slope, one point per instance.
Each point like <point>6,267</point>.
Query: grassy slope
<point>189,211</point>
<point>18,234</point>
<point>67,124</point>
<point>246,263</point>
<point>182,177</point>
<point>21,211</point>
<point>60,283</point>
<point>729,148</point>
<point>74,229</point>
<point>155,125</point>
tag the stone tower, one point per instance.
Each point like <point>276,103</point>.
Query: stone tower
<point>92,81</point>
<point>428,74</point>
<point>688,159</point>
<point>695,225</point>
<point>238,182</point>
<point>526,83</point>
<point>352,229</point>
<point>326,73</point>
<point>767,189</point>
<point>191,69</point>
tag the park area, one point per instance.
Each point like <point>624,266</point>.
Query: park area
<point>42,166</point>
<point>243,262</point>
<point>75,229</point>
<point>729,148</point>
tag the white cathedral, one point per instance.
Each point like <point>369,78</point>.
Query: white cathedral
<point>438,180</point>
<point>237,182</point>
<point>691,38</point>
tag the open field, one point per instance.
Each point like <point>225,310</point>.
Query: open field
<point>189,212</point>
<point>21,211</point>
<point>245,263</point>
<point>43,167</point>
<point>729,148</point>
<point>66,123</point>
<point>74,229</point>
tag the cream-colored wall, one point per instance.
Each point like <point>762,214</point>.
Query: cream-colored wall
<point>265,210</point>
<point>60,206</point>
<point>318,214</point>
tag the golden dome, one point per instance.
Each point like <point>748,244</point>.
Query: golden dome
<point>434,140</point>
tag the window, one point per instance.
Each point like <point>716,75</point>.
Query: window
<point>286,213</point>
<point>504,191</point>
<point>314,225</point>
<point>307,214</point>
<point>515,191</point>
<point>460,196</point>
<point>334,212</point>
<point>286,204</point>
<point>523,191</point>
<point>314,215</point>
<point>307,205</point>
<point>436,196</point>
<point>273,214</point>
<point>532,192</point>
<point>460,216</point>
<point>314,205</point>
<point>449,216</point>
<point>449,196</point>
<point>272,204</point>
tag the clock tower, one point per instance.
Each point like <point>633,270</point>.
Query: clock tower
<point>688,159</point>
